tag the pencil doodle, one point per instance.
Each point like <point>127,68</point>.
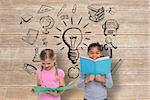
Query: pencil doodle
<point>116,66</point>
<point>61,10</point>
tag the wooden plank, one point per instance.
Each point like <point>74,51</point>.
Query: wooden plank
<point>122,4</point>
<point>130,65</point>
<point>2,93</point>
<point>126,92</point>
<point>26,94</point>
<point>121,41</point>
<point>129,73</point>
<point>130,92</point>
<point>20,78</point>
<point>29,53</point>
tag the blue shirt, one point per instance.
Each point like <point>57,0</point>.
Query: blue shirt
<point>94,90</point>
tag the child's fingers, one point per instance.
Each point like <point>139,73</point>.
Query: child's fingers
<point>52,93</point>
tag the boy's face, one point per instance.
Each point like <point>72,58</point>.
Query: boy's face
<point>94,53</point>
<point>47,63</point>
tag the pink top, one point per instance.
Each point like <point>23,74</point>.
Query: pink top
<point>47,79</point>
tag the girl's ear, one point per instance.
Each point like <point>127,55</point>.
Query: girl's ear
<point>55,64</point>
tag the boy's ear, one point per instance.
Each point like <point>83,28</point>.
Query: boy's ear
<point>88,53</point>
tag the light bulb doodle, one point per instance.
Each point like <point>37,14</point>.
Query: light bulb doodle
<point>72,37</point>
<point>108,40</point>
<point>31,36</point>
<point>110,27</point>
<point>36,57</point>
<point>46,22</point>
<point>73,72</point>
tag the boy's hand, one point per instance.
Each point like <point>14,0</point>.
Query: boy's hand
<point>89,78</point>
<point>100,78</point>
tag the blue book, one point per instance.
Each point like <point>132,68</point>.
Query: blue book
<point>99,66</point>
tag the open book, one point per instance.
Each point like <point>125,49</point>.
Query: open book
<point>99,66</point>
<point>42,89</point>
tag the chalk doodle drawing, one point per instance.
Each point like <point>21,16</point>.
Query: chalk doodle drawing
<point>74,9</point>
<point>26,19</point>
<point>30,69</point>
<point>96,12</point>
<point>36,57</point>
<point>72,34</point>
<point>45,42</point>
<point>72,37</point>
<point>45,8</point>
<point>73,72</point>
<point>110,27</point>
<point>108,40</point>
<point>63,17</point>
<point>31,36</point>
<point>73,42</point>
<point>61,10</point>
<point>116,66</point>
<point>46,22</point>
<point>110,11</point>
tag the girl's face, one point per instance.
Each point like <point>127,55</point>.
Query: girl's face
<point>94,53</point>
<point>47,64</point>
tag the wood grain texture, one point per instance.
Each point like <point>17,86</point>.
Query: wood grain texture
<point>131,80</point>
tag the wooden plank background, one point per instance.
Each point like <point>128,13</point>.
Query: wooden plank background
<point>132,79</point>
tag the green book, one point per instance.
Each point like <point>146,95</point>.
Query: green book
<point>42,89</point>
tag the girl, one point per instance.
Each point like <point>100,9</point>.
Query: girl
<point>49,76</point>
<point>95,86</point>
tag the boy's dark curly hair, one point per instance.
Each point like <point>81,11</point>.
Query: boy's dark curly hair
<point>97,45</point>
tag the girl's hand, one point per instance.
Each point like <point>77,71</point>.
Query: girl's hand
<point>100,78</point>
<point>89,78</point>
<point>60,92</point>
<point>52,93</point>
<point>32,90</point>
